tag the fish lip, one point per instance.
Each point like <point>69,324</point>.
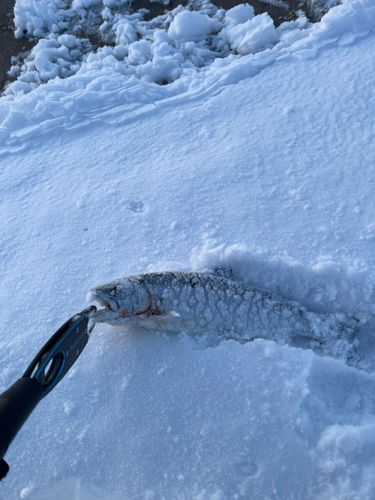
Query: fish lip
<point>103,299</point>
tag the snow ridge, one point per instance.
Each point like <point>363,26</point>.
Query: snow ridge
<point>225,48</point>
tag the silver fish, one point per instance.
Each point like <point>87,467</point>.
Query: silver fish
<point>213,307</point>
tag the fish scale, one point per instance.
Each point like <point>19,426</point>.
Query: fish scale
<point>212,308</point>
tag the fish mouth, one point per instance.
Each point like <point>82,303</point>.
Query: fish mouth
<point>107,303</point>
<point>109,312</point>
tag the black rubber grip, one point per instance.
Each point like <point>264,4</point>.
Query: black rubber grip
<point>48,368</point>
<point>16,404</point>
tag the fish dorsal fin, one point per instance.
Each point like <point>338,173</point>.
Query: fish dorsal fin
<point>223,272</point>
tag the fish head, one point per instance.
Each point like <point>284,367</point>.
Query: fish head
<point>125,302</point>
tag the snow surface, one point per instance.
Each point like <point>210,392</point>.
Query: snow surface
<point>261,161</point>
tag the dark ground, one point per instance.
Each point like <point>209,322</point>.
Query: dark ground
<point>11,46</point>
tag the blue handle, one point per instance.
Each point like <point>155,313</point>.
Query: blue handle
<point>47,369</point>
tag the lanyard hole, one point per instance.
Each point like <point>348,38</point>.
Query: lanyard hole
<point>53,369</point>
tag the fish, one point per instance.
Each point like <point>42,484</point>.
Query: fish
<point>213,307</point>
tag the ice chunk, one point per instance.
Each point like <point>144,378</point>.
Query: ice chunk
<point>239,14</point>
<point>252,36</point>
<point>192,25</point>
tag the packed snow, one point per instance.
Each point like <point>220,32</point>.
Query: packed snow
<point>260,157</point>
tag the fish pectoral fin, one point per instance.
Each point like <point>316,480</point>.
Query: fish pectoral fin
<point>166,315</point>
<point>173,314</point>
<point>154,312</point>
<point>166,321</point>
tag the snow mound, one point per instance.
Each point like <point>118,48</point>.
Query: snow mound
<point>147,66</point>
<point>324,286</point>
<point>37,18</point>
<point>240,14</point>
<point>252,36</point>
<point>159,51</point>
<point>192,26</point>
